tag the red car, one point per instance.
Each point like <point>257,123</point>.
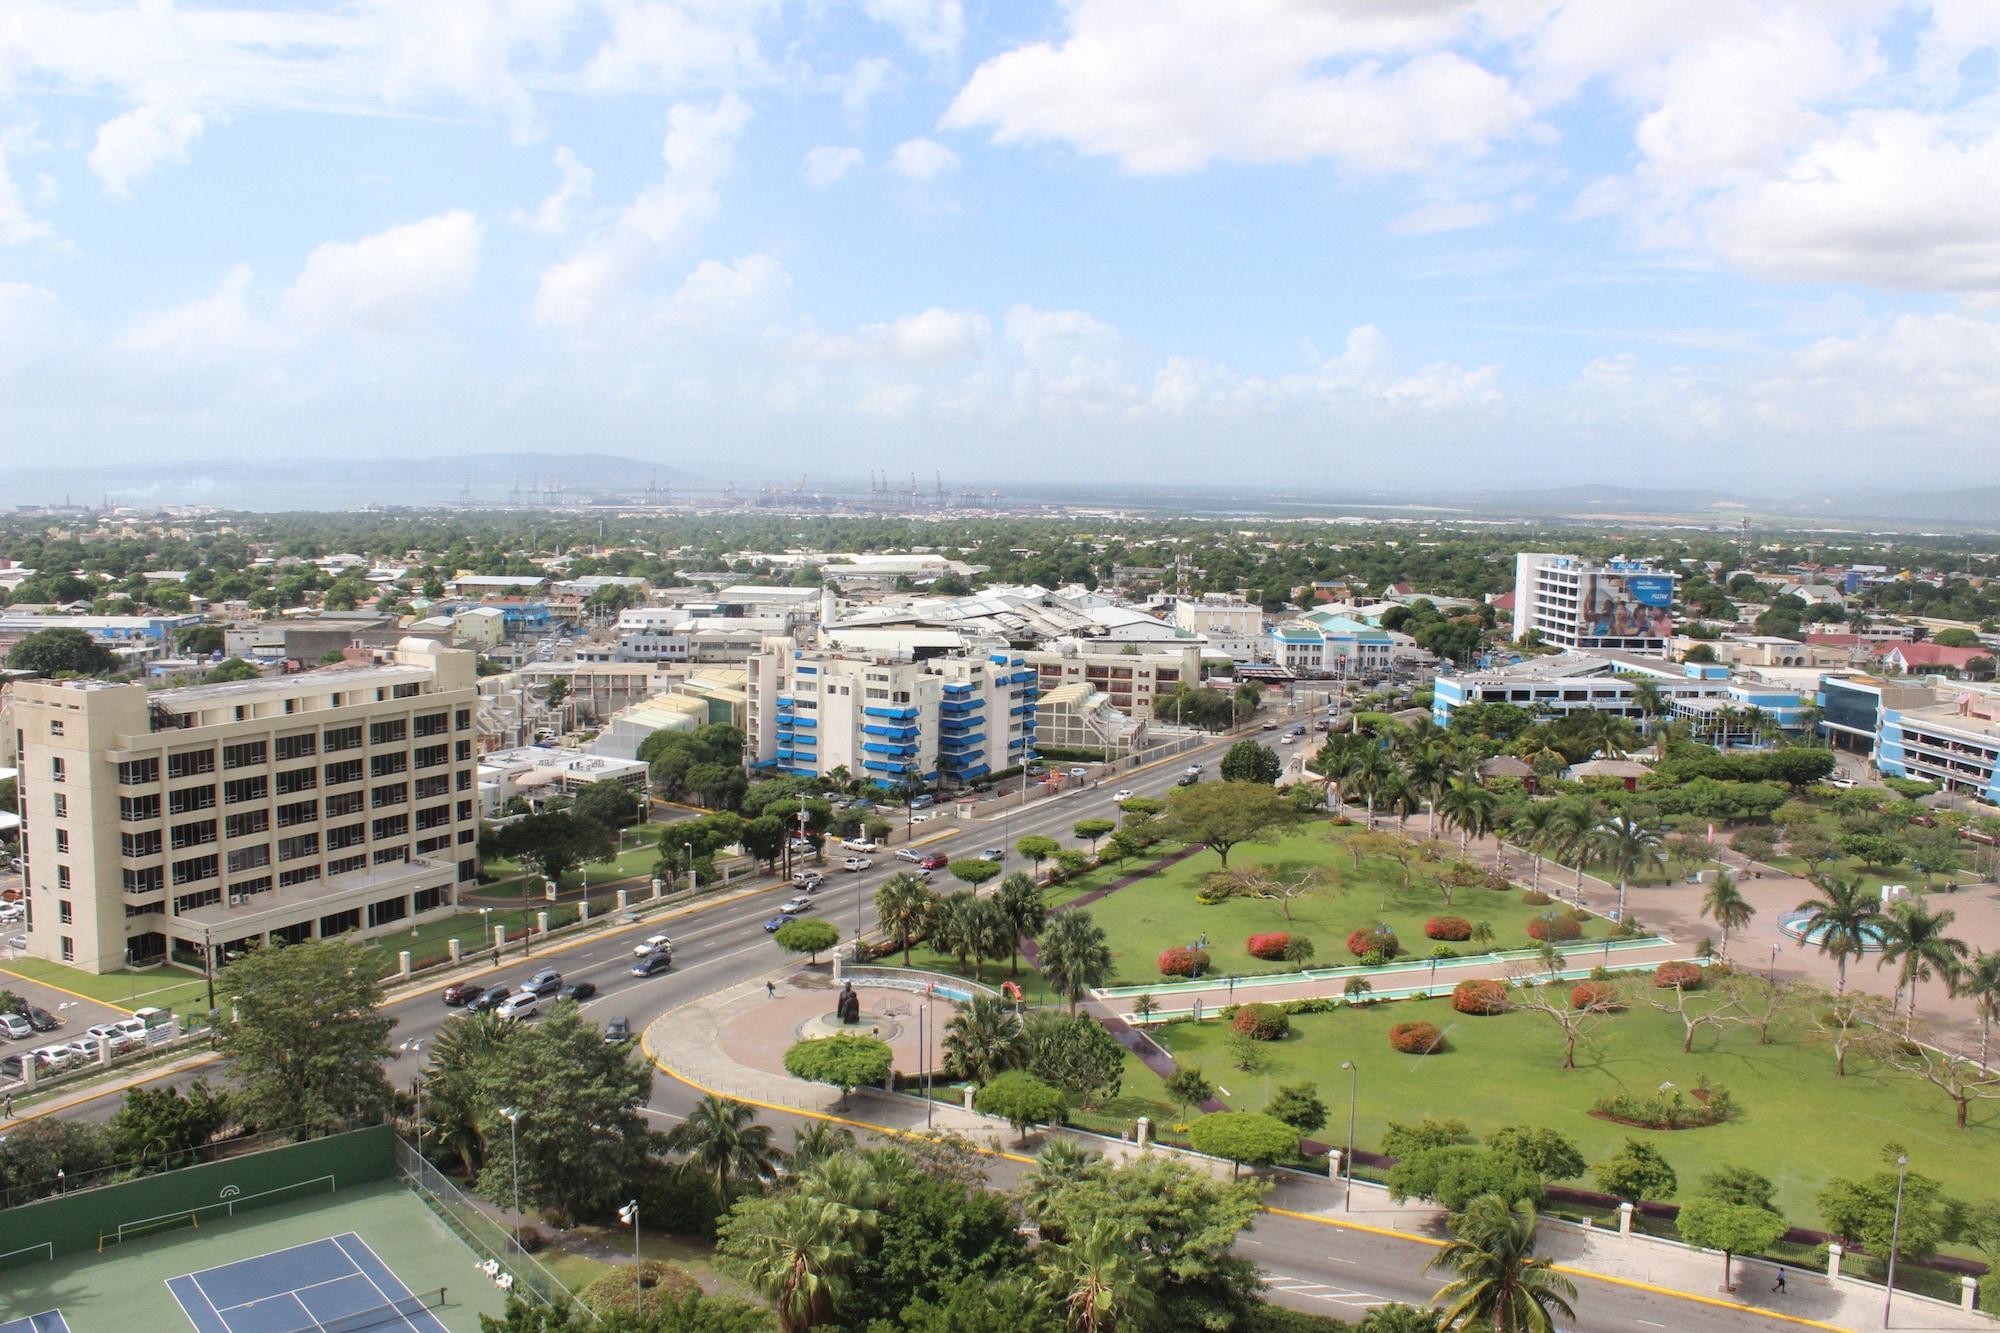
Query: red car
<point>934,861</point>
<point>462,992</point>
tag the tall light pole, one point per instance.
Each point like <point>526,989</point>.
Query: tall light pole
<point>694,885</point>
<point>1771,977</point>
<point>1347,1159</point>
<point>1895,1236</point>
<point>630,1213</point>
<point>513,1118</point>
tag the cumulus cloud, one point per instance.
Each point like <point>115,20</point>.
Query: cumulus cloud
<point>934,28</point>
<point>930,337</point>
<point>922,160</point>
<point>17,225</point>
<point>828,163</point>
<point>1444,215</point>
<point>218,323</point>
<point>131,147</point>
<point>391,282</point>
<point>557,210</point>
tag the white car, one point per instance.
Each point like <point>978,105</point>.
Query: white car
<point>856,863</point>
<point>124,1035</point>
<point>653,944</point>
<point>521,1004</point>
<point>1290,740</point>
<point>859,845</point>
<point>1194,770</point>
<point>1079,772</point>
<point>921,817</point>
<point>797,905</point>
<point>1123,794</point>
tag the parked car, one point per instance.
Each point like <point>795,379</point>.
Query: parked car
<point>853,863</point>
<point>922,801</point>
<point>62,1055</point>
<point>1123,794</point>
<point>545,982</point>
<point>618,1030</point>
<point>521,1004</point>
<point>579,990</point>
<point>653,963</point>
<point>41,1020</point>
<point>14,1027</point>
<point>488,1002</point>
<point>802,844</point>
<point>12,1066</point>
<point>462,992</point>
<point>1079,772</point>
<point>794,906</point>
<point>934,861</point>
<point>124,1034</point>
<point>860,844</point>
<point>661,943</point>
<point>908,854</point>
<point>921,817</point>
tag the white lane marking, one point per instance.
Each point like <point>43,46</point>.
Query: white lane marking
<point>652,1110</point>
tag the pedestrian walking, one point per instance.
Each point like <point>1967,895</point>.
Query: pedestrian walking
<point>770,990</point>
<point>1780,1284</point>
<point>7,1111</point>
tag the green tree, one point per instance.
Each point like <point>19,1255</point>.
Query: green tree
<point>153,1126</point>
<point>1300,1106</point>
<point>56,652</point>
<point>1454,1176</point>
<point>1251,761</point>
<point>1075,956</point>
<point>1022,1100</point>
<point>846,1060</point>
<point>1075,1053</point>
<point>1399,1318</point>
<point>1222,815</point>
<point>1548,1152</point>
<point>234,669</point>
<point>1627,848</point>
<point>1241,1137</point>
<point>1864,1211</point>
<point>974,870</point>
<point>983,1038</point>
<point>1733,1228</point>
<point>1186,1087</point>
<point>1019,900</point>
<point>1469,808</point>
<point>38,1157</point>
<point>1100,1277</point>
<point>1500,1285</point>
<point>1739,1185</point>
<point>807,935</point>
<point>1037,849</point>
<point>796,1250</point>
<point>455,1082</point>
<point>1092,830</point>
<point>764,838</point>
<point>1841,922</point>
<point>309,1040</point>
<point>610,803</point>
<point>1914,940</point>
<point>1636,1172</point>
<point>1979,982</point>
<point>557,843</point>
<point>724,1142</point>
<point>903,910</point>
<point>1724,904</point>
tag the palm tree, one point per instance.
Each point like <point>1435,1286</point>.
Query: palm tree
<point>1646,697</point>
<point>1536,830</point>
<point>817,1141</point>
<point>1501,1287</point>
<point>1842,922</point>
<point>1398,797</point>
<point>1607,734</point>
<point>1020,900</point>
<point>955,927</point>
<point>1726,907</point>
<point>1469,807</point>
<point>1074,955</point>
<point>1576,825</point>
<point>796,1251</point>
<point>1628,848</point>
<point>1061,1163</point>
<point>1371,771</point>
<point>1913,938</point>
<point>983,1038</point>
<point>1427,771</point>
<point>725,1144</point>
<point>454,1098</point>
<point>1979,981</point>
<point>1102,1279</point>
<point>903,909</point>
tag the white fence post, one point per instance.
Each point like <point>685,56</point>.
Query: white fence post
<point>1624,1219</point>
<point>1833,1253</point>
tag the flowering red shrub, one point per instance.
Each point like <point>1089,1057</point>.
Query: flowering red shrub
<point>1593,994</point>
<point>1536,898</point>
<point>1261,1022</point>
<point>1271,945</point>
<point>1376,939</point>
<point>1416,1038</point>
<point>1180,962</point>
<point>1556,928</point>
<point>1687,976</point>
<point>1483,996</point>
<point>1448,928</point>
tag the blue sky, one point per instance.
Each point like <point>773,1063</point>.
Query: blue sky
<point>1439,242</point>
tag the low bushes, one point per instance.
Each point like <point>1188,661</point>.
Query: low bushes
<point>1677,976</point>
<point>1481,996</point>
<point>1557,928</point>
<point>1448,928</point>
<point>1593,995</point>
<point>1261,1022</point>
<point>1378,940</point>
<point>1271,946</point>
<point>1318,1004</point>
<point>1183,962</point>
<point>1416,1038</point>
<point>1667,1108</point>
<point>1536,898</point>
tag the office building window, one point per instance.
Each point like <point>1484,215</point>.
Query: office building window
<point>150,880</point>
<point>244,888</point>
<point>238,790</point>
<point>62,877</point>
<point>198,833</point>
<point>243,754</point>
<point>303,746</point>
<point>429,900</point>
<point>298,812</point>
<point>298,847</point>
<point>249,858</point>
<point>347,770</point>
<point>195,869</point>
<point>347,835</point>
<point>64,914</point>
<point>190,763</point>
<point>342,738</point>
<point>389,854</point>
<point>135,808</point>
<point>188,800</point>
<point>388,794</point>
<point>295,780</point>
<point>298,875</point>
<point>68,949</point>
<point>344,803</point>
<point>388,732</point>
<point>62,840</point>
<point>189,902</point>
<point>56,772</point>
<point>61,806</point>
<point>388,765</point>
<point>346,865</point>
<point>245,824</point>
<point>394,826</point>
<point>463,720</point>
<point>433,724</point>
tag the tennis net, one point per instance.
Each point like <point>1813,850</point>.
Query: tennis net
<point>394,1313</point>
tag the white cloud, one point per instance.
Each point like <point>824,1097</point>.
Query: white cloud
<point>828,163</point>
<point>222,322</point>
<point>934,28</point>
<point>699,150</point>
<point>930,337</point>
<point>31,317</point>
<point>866,80</point>
<point>1171,86</point>
<point>672,47</point>
<point>391,282</point>
<point>922,160</point>
<point>17,225</point>
<point>129,148</point>
<point>553,217</point>
<point>1455,215</point>
<point>754,287</point>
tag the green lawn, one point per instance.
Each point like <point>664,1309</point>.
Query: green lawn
<point>639,849</point>
<point>1161,912</point>
<point>1798,1123</point>
<point>165,987</point>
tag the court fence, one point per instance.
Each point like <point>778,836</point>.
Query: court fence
<point>95,1220</point>
<point>483,1232</point>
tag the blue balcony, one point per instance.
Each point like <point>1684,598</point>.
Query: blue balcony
<point>893,733</point>
<point>958,743</point>
<point>811,722</point>
<point>786,701</point>
<point>877,747</point>
<point>876,710</point>
<point>958,687</point>
<point>951,707</point>
<point>806,741</point>
<point>884,766</point>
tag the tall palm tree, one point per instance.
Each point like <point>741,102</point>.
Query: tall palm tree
<point>724,1142</point>
<point>817,1141</point>
<point>1609,735</point>
<point>1576,825</point>
<point>1469,807</point>
<point>455,1100</point>
<point>1979,981</point>
<point>797,1250</point>
<point>1726,906</point>
<point>1102,1279</point>
<point>1427,772</point>
<point>1020,900</point>
<point>1536,831</point>
<point>1061,1163</point>
<point>955,926</point>
<point>1074,955</point>
<point>1501,1287</point>
<point>983,1038</point>
<point>903,909</point>
<point>1372,769</point>
<point>1398,797</point>
<point>1842,922</point>
<point>1628,848</point>
<point>1646,697</point>
<point>1914,939</point>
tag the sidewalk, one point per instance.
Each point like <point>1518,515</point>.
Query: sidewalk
<point>693,1044</point>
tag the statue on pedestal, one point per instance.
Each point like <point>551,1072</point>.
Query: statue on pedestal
<point>849,1005</point>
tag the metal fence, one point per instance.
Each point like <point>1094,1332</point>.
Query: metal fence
<point>482,1232</point>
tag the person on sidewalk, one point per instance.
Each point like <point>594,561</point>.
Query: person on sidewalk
<point>770,990</point>
<point>1779,1285</point>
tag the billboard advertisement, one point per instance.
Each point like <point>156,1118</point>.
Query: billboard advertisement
<point>1627,606</point>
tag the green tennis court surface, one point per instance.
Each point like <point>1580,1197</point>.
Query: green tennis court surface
<point>125,1289</point>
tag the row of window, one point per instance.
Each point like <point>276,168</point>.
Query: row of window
<point>292,782</point>
<point>247,754</point>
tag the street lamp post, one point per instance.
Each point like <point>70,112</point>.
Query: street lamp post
<point>1772,976</point>
<point>1895,1236</point>
<point>1347,1158</point>
<point>693,885</point>
<point>513,1118</point>
<point>630,1213</point>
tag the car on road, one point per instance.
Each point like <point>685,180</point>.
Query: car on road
<point>1123,794</point>
<point>934,861</point>
<point>661,943</point>
<point>652,964</point>
<point>1270,726</point>
<point>794,906</point>
<point>856,863</point>
<point>1079,772</point>
<point>908,854</point>
<point>772,925</point>
<point>1188,779</point>
<point>1193,770</point>
<point>1290,740</point>
<point>860,844</point>
<point>922,817</point>
<point>545,982</point>
<point>802,845</point>
<point>579,991</point>
<point>41,1020</point>
<point>994,854</point>
<point>922,801</point>
<point>809,880</point>
<point>462,992</point>
<point>521,1004</point>
<point>14,1027</point>
<point>488,1002</point>
<point>618,1030</point>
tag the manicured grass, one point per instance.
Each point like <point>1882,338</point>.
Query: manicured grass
<point>639,849</point>
<point>164,987</point>
<point>1140,1092</point>
<point>1798,1123</point>
<point>1161,912</point>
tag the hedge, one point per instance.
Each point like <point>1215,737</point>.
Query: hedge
<point>1182,962</point>
<point>1588,994</point>
<point>1554,928</point>
<point>1536,898</point>
<point>1686,976</point>
<point>1378,940</point>
<point>1417,1038</point>
<point>1263,1022</point>
<point>1269,946</point>
<point>1480,996</point>
<point>1448,928</point>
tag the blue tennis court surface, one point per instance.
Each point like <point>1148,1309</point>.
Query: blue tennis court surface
<point>48,1321</point>
<point>326,1285</point>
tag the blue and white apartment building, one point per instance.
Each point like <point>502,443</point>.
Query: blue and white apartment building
<point>1715,703</point>
<point>1946,734</point>
<point>888,715</point>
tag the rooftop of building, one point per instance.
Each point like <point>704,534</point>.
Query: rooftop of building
<point>552,757</point>
<point>305,682</point>
<point>1967,711</point>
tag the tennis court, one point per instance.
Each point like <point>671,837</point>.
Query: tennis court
<point>49,1321</point>
<point>334,1285</point>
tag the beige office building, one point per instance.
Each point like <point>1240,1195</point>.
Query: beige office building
<point>164,822</point>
